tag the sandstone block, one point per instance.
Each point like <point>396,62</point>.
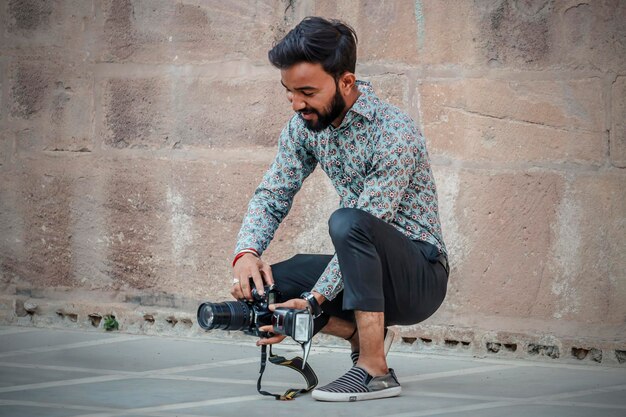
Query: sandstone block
<point>475,138</point>
<point>136,229</point>
<point>479,119</point>
<point>589,34</point>
<point>544,246</point>
<point>11,227</point>
<point>386,31</point>
<point>2,100</point>
<point>39,227</point>
<point>50,105</point>
<point>135,113</point>
<point>232,114</point>
<point>6,145</point>
<point>35,28</point>
<point>447,33</point>
<point>6,140</point>
<point>506,223</point>
<point>618,126</point>
<point>391,88</point>
<point>540,34</point>
<point>587,268</point>
<point>514,32</point>
<point>188,31</point>
<point>142,113</point>
<point>571,105</point>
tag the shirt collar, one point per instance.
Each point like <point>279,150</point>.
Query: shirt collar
<point>364,106</point>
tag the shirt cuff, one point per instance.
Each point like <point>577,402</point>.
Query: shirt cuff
<point>330,282</point>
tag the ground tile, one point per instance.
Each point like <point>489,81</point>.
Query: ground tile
<point>608,398</point>
<point>11,376</point>
<point>145,354</point>
<point>536,411</point>
<point>126,393</point>
<point>407,365</point>
<point>39,338</point>
<point>306,406</point>
<point>525,381</point>
<point>23,411</point>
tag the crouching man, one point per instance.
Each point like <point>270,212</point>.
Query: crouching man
<point>390,266</point>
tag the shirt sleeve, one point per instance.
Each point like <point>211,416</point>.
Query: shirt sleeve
<point>383,189</point>
<point>273,197</point>
<point>387,181</point>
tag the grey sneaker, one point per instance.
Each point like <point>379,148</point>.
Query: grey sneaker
<point>358,385</point>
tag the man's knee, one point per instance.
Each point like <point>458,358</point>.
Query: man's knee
<point>344,221</point>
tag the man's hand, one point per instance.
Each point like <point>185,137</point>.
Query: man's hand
<point>295,303</point>
<point>249,266</point>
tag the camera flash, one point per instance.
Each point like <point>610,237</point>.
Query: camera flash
<point>303,328</point>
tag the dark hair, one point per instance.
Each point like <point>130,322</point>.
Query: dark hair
<point>330,43</point>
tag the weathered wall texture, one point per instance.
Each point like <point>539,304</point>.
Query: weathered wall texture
<point>134,132</point>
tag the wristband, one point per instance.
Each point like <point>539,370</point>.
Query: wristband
<point>243,252</point>
<point>314,306</point>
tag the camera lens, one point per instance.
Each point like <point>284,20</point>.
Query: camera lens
<point>229,315</point>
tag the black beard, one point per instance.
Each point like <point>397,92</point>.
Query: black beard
<point>324,120</point>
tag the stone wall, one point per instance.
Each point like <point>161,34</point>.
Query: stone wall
<point>134,133</point>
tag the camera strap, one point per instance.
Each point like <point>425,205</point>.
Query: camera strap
<point>295,364</point>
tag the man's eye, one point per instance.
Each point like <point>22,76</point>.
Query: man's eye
<point>307,94</point>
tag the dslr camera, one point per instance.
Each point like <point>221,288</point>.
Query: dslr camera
<point>249,316</point>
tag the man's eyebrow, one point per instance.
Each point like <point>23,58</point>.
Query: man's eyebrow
<point>306,87</point>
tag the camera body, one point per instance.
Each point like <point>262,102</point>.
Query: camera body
<point>249,316</point>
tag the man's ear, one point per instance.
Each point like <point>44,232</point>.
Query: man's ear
<point>347,81</point>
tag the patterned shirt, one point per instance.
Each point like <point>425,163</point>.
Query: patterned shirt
<point>376,160</point>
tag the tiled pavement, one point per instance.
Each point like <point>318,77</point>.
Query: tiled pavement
<point>54,373</point>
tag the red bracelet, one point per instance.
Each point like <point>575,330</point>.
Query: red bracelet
<point>243,252</point>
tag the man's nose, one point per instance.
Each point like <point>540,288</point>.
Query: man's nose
<point>297,104</point>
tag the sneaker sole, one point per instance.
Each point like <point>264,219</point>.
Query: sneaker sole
<point>356,396</point>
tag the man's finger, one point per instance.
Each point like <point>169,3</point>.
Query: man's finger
<point>245,288</point>
<point>258,282</point>
<point>293,303</point>
<point>270,340</point>
<point>273,307</point>
<point>236,291</point>
<point>267,273</point>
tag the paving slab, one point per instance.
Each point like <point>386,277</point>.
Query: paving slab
<point>269,407</point>
<point>137,355</point>
<point>80,373</point>
<point>525,381</point>
<point>536,411</point>
<point>19,410</point>
<point>612,398</point>
<point>43,338</point>
<point>11,376</point>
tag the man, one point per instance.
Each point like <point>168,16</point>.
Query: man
<point>390,265</point>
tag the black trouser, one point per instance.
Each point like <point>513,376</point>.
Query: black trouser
<point>382,271</point>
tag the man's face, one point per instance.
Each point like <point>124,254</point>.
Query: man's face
<point>313,94</point>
